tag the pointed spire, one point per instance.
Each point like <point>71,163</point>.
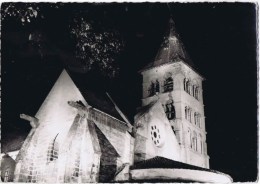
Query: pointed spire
<point>171,49</point>
<point>171,28</point>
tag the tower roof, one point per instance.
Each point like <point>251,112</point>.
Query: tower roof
<point>171,49</point>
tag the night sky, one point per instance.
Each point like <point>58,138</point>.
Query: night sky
<point>219,37</point>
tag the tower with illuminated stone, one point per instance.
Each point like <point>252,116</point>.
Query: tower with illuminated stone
<point>172,80</point>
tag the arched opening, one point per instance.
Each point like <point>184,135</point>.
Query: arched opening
<point>194,141</point>
<point>195,118</point>
<point>151,90</point>
<point>189,114</point>
<point>196,93</point>
<point>170,110</point>
<point>193,90</point>
<point>201,143</point>
<point>199,120</point>
<point>157,86</point>
<point>189,139</point>
<point>188,87</point>
<point>53,150</point>
<point>168,84</point>
<point>184,84</point>
<point>6,176</point>
<point>186,112</point>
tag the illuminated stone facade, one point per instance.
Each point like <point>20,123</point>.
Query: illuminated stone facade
<point>186,112</point>
<point>172,82</point>
<point>73,145</point>
<point>77,136</point>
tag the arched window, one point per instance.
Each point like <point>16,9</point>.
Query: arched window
<point>157,86</point>
<point>201,143</point>
<point>198,120</point>
<point>76,169</point>
<point>195,118</point>
<point>189,114</point>
<point>6,176</point>
<point>152,89</point>
<point>168,84</point>
<point>193,90</point>
<point>170,110</point>
<point>196,93</point>
<point>184,84</point>
<point>53,150</point>
<point>189,139</point>
<point>194,141</point>
<point>188,87</point>
<point>186,112</point>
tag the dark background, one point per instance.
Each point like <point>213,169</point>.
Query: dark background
<point>219,37</point>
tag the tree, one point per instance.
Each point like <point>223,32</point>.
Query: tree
<point>26,12</point>
<point>96,46</point>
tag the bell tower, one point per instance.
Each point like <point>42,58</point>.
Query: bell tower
<point>172,80</point>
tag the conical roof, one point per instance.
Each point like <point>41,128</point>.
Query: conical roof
<point>171,49</point>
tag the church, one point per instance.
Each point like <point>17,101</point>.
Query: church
<point>80,136</point>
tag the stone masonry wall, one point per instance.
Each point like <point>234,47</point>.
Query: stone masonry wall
<point>85,144</point>
<point>108,160</point>
<point>179,71</point>
<point>114,130</point>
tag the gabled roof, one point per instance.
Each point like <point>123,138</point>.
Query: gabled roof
<point>95,97</point>
<point>144,109</point>
<point>161,162</point>
<point>160,169</point>
<point>171,49</point>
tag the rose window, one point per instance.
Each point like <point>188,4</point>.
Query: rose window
<point>155,135</point>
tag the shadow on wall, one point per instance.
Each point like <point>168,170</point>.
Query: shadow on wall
<point>108,160</point>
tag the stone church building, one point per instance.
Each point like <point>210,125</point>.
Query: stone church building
<point>81,136</point>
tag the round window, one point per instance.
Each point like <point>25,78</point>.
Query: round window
<point>155,135</point>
